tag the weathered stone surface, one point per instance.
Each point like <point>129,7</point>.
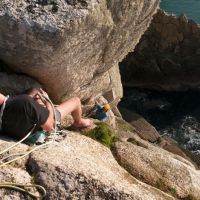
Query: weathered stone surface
<point>15,84</point>
<point>19,150</point>
<point>147,132</point>
<point>68,45</point>
<point>172,146</point>
<point>167,57</point>
<point>9,174</point>
<point>143,128</point>
<point>157,167</point>
<point>81,168</point>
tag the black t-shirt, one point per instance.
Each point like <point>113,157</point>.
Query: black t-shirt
<point>20,114</point>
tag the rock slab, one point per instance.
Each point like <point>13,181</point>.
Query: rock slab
<point>166,171</point>
<point>81,168</point>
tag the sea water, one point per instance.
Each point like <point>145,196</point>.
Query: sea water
<point>189,7</point>
<point>176,114</point>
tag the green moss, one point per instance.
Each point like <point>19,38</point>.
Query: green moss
<point>172,191</point>
<point>102,133</point>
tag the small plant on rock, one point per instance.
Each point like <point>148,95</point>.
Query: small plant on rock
<point>102,133</point>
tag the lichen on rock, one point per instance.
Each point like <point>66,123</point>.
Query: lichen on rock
<point>67,44</point>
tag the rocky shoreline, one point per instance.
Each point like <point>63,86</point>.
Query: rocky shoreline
<point>73,48</point>
<point>167,56</point>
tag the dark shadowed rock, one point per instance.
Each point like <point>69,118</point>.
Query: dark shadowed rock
<point>15,84</point>
<point>167,57</point>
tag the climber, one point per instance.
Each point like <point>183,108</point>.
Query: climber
<point>21,112</point>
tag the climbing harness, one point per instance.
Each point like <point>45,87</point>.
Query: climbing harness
<point>21,187</point>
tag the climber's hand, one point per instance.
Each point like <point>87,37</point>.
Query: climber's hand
<point>43,93</point>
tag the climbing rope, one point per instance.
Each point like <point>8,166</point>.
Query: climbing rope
<point>23,187</point>
<point>7,149</point>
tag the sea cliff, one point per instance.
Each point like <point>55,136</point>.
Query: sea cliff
<point>73,47</point>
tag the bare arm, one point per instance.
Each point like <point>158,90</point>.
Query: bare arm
<point>49,124</point>
<point>2,98</point>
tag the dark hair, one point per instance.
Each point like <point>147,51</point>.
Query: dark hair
<point>31,90</point>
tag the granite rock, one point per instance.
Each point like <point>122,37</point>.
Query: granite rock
<point>15,175</point>
<point>16,151</point>
<point>167,56</point>
<point>159,168</point>
<point>12,84</point>
<point>80,167</point>
<point>68,46</point>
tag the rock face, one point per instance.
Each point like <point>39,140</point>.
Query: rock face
<point>81,168</point>
<point>10,174</point>
<point>167,56</point>
<point>157,167</point>
<point>19,149</point>
<point>144,129</point>
<point>14,172</point>
<point>148,132</point>
<point>69,46</point>
<point>15,84</point>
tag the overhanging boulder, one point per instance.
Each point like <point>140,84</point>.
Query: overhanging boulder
<point>66,44</point>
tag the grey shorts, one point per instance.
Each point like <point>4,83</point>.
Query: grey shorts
<point>58,117</point>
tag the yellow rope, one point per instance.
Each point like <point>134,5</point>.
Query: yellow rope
<point>23,187</point>
<point>18,141</point>
<point>25,154</point>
